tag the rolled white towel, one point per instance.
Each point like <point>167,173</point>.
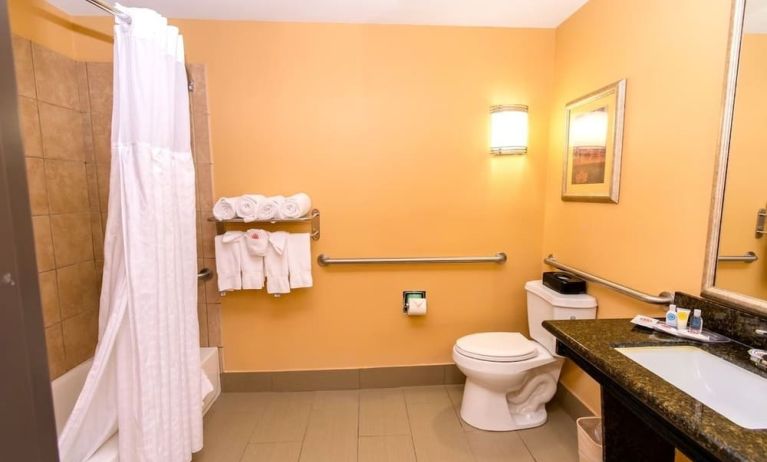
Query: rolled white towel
<point>225,208</point>
<point>296,206</point>
<point>247,206</point>
<point>269,208</point>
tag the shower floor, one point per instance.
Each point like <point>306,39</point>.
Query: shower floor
<point>383,424</point>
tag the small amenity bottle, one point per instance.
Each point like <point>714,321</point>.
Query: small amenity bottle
<point>671,316</point>
<point>696,323</point>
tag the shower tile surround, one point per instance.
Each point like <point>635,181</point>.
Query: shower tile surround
<point>65,111</point>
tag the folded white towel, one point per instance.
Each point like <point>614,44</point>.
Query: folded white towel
<point>225,208</point>
<point>296,206</point>
<point>269,208</point>
<point>299,260</point>
<point>257,241</point>
<point>229,261</point>
<point>247,206</point>
<point>254,247</point>
<point>276,264</point>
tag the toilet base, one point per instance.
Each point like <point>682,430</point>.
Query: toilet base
<point>489,410</point>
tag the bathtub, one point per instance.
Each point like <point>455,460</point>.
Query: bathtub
<point>67,387</point>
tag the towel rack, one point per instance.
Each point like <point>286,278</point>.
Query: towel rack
<point>748,257</point>
<point>664,298</point>
<point>313,218</point>
<point>204,274</point>
<point>324,260</point>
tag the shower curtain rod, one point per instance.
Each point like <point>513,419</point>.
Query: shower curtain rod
<point>109,8</point>
<point>104,6</point>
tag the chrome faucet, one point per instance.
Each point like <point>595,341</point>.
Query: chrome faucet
<point>758,357</point>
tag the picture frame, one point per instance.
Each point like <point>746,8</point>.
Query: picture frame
<point>594,142</point>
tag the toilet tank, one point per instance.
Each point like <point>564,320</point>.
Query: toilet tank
<point>544,304</point>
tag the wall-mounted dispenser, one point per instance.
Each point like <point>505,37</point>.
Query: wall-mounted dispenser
<point>414,302</point>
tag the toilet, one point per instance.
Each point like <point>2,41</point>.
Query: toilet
<point>509,378</point>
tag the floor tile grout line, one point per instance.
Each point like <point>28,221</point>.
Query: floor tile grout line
<point>248,442</point>
<point>456,411</point>
<point>306,425</point>
<point>409,424</point>
<point>359,402</point>
<point>527,448</point>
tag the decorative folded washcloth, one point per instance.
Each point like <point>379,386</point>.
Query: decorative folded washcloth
<point>229,260</point>
<point>269,208</point>
<point>247,206</point>
<point>255,244</point>
<point>299,260</point>
<point>225,208</point>
<point>296,206</point>
<point>276,264</point>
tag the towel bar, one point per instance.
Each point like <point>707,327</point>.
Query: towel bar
<point>313,217</point>
<point>748,257</point>
<point>204,274</point>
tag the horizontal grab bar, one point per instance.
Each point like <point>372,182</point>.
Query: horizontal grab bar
<point>748,257</point>
<point>324,260</point>
<point>664,298</point>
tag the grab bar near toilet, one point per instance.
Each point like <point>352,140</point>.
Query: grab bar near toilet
<point>664,298</point>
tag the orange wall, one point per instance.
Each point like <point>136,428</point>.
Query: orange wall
<point>41,23</point>
<point>746,189</point>
<point>673,55</point>
<point>368,116</point>
<point>387,128</point>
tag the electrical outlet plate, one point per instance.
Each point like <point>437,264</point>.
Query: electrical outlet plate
<point>408,294</point>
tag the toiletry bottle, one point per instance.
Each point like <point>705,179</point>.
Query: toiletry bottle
<point>682,318</point>
<point>671,316</point>
<point>696,323</point>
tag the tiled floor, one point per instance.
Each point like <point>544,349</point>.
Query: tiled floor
<point>377,425</point>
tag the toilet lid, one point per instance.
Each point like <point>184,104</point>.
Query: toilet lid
<point>497,346</point>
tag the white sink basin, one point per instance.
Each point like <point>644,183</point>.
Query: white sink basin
<point>732,391</point>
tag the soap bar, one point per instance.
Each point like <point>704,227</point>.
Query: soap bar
<point>564,283</point>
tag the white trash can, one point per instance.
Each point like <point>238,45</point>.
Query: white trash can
<point>589,439</point>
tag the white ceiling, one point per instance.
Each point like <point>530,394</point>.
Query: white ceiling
<point>756,17</point>
<point>493,13</point>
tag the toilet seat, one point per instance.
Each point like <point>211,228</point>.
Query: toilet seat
<point>497,347</point>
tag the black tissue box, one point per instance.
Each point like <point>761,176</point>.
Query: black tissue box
<point>564,283</point>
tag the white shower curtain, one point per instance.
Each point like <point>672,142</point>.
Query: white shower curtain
<point>146,381</point>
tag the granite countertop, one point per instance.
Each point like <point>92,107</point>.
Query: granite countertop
<point>595,341</point>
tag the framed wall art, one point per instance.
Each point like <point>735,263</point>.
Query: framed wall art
<point>592,165</point>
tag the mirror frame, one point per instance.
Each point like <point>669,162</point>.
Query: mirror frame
<point>730,297</point>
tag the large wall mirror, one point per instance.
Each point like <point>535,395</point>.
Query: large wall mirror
<point>736,263</point>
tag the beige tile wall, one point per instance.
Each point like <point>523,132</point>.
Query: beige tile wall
<point>209,302</point>
<point>65,110</point>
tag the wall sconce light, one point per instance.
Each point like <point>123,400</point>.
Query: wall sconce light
<point>508,129</point>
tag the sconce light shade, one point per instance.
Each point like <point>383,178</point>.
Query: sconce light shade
<point>508,129</point>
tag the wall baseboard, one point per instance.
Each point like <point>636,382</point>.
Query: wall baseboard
<point>573,406</point>
<point>373,377</point>
<point>342,379</point>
